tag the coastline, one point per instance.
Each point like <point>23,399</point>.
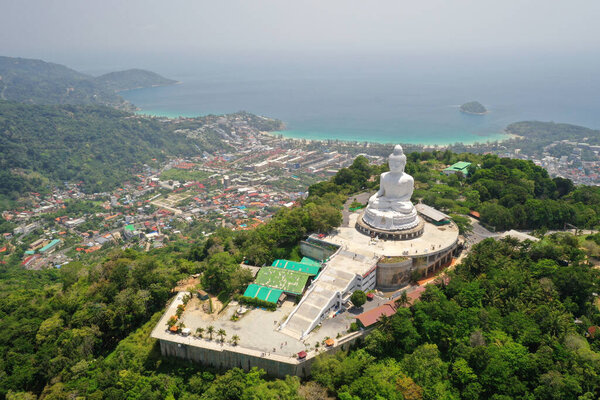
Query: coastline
<point>151,86</point>
<point>474,113</point>
<point>499,137</point>
<point>475,140</point>
<point>506,136</point>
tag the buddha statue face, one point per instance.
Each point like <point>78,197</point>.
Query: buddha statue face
<point>397,160</point>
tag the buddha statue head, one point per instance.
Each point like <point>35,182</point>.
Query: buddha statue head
<point>397,160</point>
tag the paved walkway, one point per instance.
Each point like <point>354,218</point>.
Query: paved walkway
<point>361,198</point>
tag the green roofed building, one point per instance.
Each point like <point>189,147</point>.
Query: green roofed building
<point>279,278</point>
<point>263,293</point>
<point>310,261</point>
<point>50,247</point>
<point>296,266</point>
<point>461,166</point>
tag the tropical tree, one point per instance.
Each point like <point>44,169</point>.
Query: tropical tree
<point>235,339</point>
<point>210,330</point>
<point>402,300</point>
<point>222,334</point>
<point>199,332</point>
<point>358,298</point>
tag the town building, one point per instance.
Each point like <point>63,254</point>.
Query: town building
<point>459,167</point>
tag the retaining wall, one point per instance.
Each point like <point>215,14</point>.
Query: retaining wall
<point>227,357</point>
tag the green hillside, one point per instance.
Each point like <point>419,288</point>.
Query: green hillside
<point>513,321</point>
<point>39,82</point>
<point>96,145</point>
<point>131,79</point>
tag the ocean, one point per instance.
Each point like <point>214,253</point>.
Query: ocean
<point>392,100</point>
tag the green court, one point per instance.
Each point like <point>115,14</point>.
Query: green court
<point>284,279</point>
<point>297,266</point>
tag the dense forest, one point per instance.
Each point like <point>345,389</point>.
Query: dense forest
<point>72,331</point>
<point>95,145</point>
<point>509,193</point>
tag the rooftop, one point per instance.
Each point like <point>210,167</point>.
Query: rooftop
<point>257,329</point>
<point>310,261</point>
<point>279,278</point>
<point>296,266</point>
<point>461,166</point>
<point>431,212</point>
<point>371,317</point>
<point>263,293</point>
<point>50,245</point>
<point>433,240</point>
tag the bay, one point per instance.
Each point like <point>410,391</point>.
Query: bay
<point>394,102</point>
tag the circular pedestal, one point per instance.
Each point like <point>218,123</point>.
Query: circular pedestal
<point>398,234</point>
<point>389,220</point>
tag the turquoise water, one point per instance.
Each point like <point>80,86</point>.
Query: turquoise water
<point>393,103</point>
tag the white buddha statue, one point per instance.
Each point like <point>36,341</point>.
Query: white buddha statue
<point>390,208</point>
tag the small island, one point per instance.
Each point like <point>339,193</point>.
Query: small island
<point>473,107</point>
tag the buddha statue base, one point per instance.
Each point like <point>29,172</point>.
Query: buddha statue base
<point>387,226</point>
<point>390,220</point>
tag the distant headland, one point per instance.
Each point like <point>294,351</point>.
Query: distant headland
<point>473,107</point>
<point>39,82</point>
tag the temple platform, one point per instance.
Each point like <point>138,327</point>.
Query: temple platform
<point>433,239</point>
<point>402,234</point>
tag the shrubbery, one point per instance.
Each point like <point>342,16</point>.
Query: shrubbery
<point>253,301</point>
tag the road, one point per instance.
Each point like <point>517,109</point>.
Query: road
<point>361,198</point>
<point>478,234</point>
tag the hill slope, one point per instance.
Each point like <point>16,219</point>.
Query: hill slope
<point>94,144</point>
<point>546,132</point>
<point>132,79</point>
<point>38,82</point>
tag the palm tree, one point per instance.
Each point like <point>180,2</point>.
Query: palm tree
<point>402,301</point>
<point>199,332</point>
<point>222,334</point>
<point>210,330</point>
<point>235,339</point>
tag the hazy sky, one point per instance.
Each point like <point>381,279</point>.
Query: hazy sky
<point>78,30</point>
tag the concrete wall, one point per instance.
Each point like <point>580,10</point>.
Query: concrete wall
<point>369,281</point>
<point>315,251</point>
<point>226,358</point>
<point>394,275</point>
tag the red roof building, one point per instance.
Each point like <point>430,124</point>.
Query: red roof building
<point>371,317</point>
